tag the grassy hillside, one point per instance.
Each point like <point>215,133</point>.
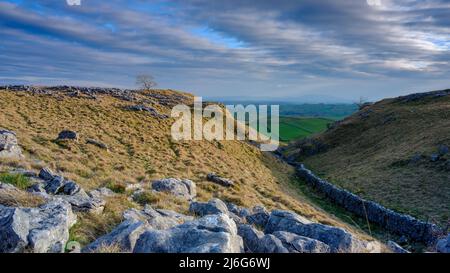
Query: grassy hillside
<point>141,149</point>
<point>383,152</point>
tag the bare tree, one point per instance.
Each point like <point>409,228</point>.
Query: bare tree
<point>145,81</point>
<point>362,102</point>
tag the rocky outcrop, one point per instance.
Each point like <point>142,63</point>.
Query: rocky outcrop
<point>237,210</point>
<point>74,91</point>
<point>102,193</point>
<point>157,218</point>
<point>337,239</point>
<point>210,234</point>
<point>398,223</point>
<point>41,230</point>
<point>124,236</point>
<point>57,186</point>
<point>300,244</point>
<point>82,202</point>
<point>9,146</point>
<point>135,223</point>
<point>259,216</point>
<point>256,241</point>
<point>143,108</point>
<point>213,206</point>
<point>219,180</point>
<point>67,135</point>
<point>97,143</point>
<point>183,188</point>
<point>169,100</point>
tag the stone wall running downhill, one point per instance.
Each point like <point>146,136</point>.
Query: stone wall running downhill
<point>394,222</point>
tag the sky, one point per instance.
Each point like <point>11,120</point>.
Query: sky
<point>329,50</point>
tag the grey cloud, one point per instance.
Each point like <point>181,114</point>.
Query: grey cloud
<point>282,43</point>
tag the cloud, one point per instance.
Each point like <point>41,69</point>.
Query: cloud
<point>376,3</point>
<point>227,47</point>
<point>73,2</point>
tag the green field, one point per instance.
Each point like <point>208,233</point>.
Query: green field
<point>300,120</point>
<point>292,128</point>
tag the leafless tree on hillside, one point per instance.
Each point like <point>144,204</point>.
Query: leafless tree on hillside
<point>145,81</point>
<point>362,102</point>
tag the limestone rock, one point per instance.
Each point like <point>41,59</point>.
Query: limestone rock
<point>67,135</point>
<point>443,245</point>
<point>256,242</point>
<point>239,211</point>
<point>183,188</point>
<point>82,202</point>
<point>213,206</point>
<point>156,219</point>
<point>101,193</point>
<point>124,235</point>
<point>219,180</point>
<point>210,234</point>
<point>9,146</point>
<point>337,239</point>
<point>300,244</point>
<point>97,143</point>
<point>258,217</point>
<point>44,229</point>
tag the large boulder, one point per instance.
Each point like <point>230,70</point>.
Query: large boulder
<point>136,222</point>
<point>259,217</point>
<point>336,238</point>
<point>67,135</point>
<point>443,245</point>
<point>300,244</point>
<point>156,218</point>
<point>124,236</point>
<point>41,230</point>
<point>210,234</point>
<point>9,146</point>
<point>183,188</point>
<point>256,242</point>
<point>213,206</point>
<point>280,220</point>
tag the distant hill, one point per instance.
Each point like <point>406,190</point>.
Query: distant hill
<point>326,110</point>
<point>395,152</point>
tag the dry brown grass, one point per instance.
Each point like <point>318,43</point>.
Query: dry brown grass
<point>370,156</point>
<point>114,248</point>
<point>18,198</point>
<point>141,149</point>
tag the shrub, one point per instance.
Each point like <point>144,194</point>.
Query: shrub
<point>116,187</point>
<point>146,198</point>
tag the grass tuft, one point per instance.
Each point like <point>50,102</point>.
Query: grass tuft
<point>18,180</point>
